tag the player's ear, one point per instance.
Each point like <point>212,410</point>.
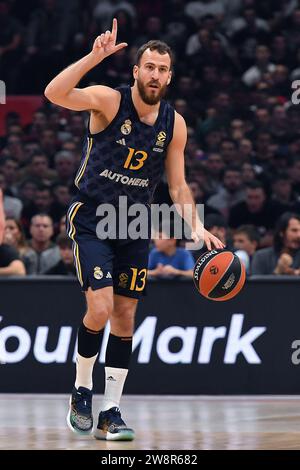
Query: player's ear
<point>170,77</point>
<point>135,72</point>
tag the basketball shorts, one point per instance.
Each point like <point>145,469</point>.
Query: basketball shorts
<point>121,263</point>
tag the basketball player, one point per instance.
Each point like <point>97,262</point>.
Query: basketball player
<point>132,136</point>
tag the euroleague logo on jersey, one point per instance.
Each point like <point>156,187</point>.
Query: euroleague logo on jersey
<point>160,141</point>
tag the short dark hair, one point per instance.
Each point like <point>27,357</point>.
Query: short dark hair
<point>215,220</point>
<point>63,241</point>
<point>38,153</point>
<point>154,45</point>
<point>233,168</point>
<point>249,230</point>
<point>282,176</point>
<point>255,184</point>
<point>43,187</point>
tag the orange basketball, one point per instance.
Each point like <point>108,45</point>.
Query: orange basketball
<point>219,275</point>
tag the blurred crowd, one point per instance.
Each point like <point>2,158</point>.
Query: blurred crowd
<point>234,69</point>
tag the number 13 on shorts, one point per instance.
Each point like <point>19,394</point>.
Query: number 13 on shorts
<point>138,279</point>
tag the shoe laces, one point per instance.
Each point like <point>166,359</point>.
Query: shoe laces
<point>83,400</point>
<point>114,415</point>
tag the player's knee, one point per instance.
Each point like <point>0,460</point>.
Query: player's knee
<point>122,321</point>
<point>125,313</point>
<point>99,311</point>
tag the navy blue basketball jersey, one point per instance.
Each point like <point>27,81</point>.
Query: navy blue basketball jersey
<point>126,158</point>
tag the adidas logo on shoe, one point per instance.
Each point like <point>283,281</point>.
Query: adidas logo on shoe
<point>111,378</point>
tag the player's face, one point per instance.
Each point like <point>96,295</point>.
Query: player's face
<point>153,75</point>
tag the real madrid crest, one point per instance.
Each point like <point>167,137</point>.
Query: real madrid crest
<point>98,273</point>
<point>126,127</point>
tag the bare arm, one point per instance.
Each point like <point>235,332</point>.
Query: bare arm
<point>15,268</point>
<point>61,90</point>
<point>178,188</point>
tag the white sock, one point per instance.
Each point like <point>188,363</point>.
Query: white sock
<point>114,383</point>
<point>84,371</point>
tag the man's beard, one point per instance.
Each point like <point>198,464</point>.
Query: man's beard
<point>151,99</point>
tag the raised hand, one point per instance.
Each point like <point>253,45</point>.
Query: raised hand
<point>105,44</point>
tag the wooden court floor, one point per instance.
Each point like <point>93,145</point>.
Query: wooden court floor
<point>161,423</point>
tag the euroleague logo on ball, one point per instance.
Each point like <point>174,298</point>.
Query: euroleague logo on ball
<point>214,270</point>
<point>219,275</point>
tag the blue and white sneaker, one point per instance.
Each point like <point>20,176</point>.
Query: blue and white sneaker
<point>80,418</point>
<point>111,427</point>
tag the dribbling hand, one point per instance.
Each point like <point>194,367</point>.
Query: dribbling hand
<point>209,239</point>
<point>105,44</point>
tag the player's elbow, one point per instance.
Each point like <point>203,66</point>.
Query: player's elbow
<point>48,93</point>
<point>176,189</point>
<point>51,93</point>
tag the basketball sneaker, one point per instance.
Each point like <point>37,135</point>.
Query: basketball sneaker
<point>80,418</point>
<point>111,427</point>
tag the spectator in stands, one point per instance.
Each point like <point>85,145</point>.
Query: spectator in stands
<point>284,256</point>
<point>44,254</point>
<point>256,210</point>
<point>48,143</point>
<point>282,191</point>
<point>39,124</point>
<point>248,173</point>
<point>27,191</point>
<point>263,157</point>
<point>47,34</point>
<point>43,203</point>
<point>263,65</point>
<point>245,244</point>
<point>228,151</point>
<point>247,33</point>
<point>217,225</point>
<point>10,263</point>
<point>38,169</point>
<point>12,205</point>
<point>15,148</point>
<point>9,168</point>
<point>294,173</point>
<point>230,193</point>
<point>15,237</point>
<point>245,150</point>
<point>215,166</point>
<point>167,260</point>
<point>62,224</point>
<point>64,267</point>
<point>65,167</point>
<point>200,8</point>
<point>62,199</point>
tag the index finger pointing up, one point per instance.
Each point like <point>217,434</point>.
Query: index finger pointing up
<point>114,28</point>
